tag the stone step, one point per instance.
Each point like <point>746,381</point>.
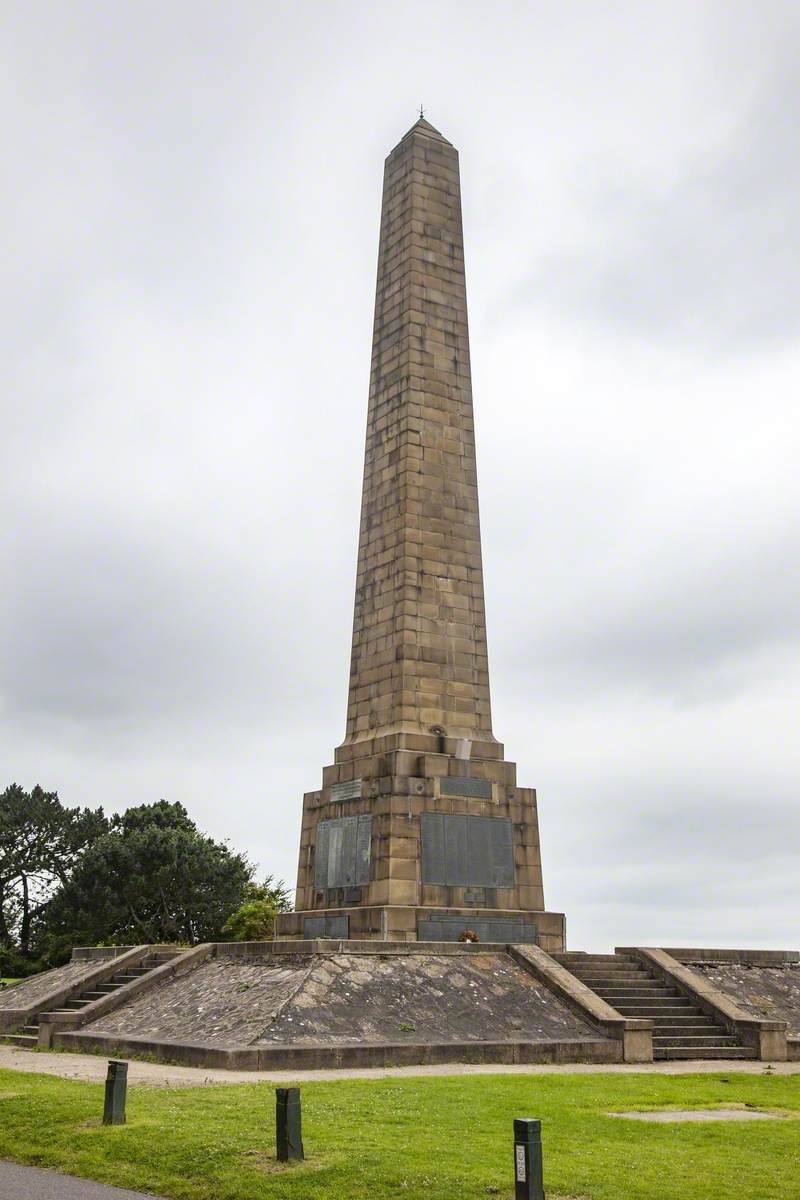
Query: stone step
<point>680,1029</point>
<point>89,997</point>
<point>608,967</point>
<point>654,1000</point>
<point>644,995</point>
<point>601,964</point>
<point>690,1052</point>
<point>619,980</point>
<point>664,1011</point>
<point>643,984</point>
<point>582,963</point>
<point>714,1038</point>
<point>625,983</point>
<point>591,962</point>
<point>32,1030</point>
<point>78,1002</point>
<point>676,1026</point>
<point>23,1041</point>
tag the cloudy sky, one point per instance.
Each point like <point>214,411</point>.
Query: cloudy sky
<point>190,211</point>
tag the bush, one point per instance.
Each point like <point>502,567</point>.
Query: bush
<point>253,922</point>
<point>15,966</point>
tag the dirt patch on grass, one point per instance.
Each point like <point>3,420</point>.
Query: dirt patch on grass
<point>260,1160</point>
<point>702,1114</point>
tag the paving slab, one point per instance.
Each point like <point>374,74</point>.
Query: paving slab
<point>32,1183</point>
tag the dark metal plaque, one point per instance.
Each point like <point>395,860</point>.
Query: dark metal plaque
<point>477,789</point>
<point>337,926</point>
<point>501,851</point>
<point>346,872</point>
<point>489,929</point>
<point>456,851</point>
<point>321,845</point>
<point>342,852</point>
<point>464,851</point>
<point>363,845</point>
<point>433,848</point>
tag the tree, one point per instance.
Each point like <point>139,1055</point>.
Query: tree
<point>254,921</point>
<point>41,843</point>
<point>273,890</point>
<point>152,877</point>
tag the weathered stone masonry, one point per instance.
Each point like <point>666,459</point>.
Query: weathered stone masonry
<point>419,830</point>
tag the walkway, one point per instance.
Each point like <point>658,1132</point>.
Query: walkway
<point>30,1183</point>
<point>93,1067</point>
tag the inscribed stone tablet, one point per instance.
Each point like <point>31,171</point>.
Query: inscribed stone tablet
<point>350,790</point>
<point>478,789</point>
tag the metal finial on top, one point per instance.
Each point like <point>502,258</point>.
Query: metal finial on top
<point>421,111</point>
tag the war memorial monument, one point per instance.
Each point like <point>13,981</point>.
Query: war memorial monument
<point>420,932</point>
<point>420,831</point>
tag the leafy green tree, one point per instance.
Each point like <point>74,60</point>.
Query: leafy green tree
<point>152,877</point>
<point>41,843</point>
<point>272,889</point>
<point>254,921</point>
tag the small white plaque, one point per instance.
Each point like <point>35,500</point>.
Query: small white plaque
<point>520,1154</point>
<point>350,790</point>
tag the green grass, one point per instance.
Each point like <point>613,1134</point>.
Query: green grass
<point>6,980</point>
<point>440,1138</point>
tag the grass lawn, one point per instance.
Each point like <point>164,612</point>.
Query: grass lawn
<point>440,1138</point>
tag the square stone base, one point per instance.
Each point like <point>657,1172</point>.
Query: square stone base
<point>399,923</point>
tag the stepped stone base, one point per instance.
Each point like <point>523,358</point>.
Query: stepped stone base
<point>311,1004</point>
<point>408,841</point>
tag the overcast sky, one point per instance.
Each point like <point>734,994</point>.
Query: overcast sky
<point>189,214</point>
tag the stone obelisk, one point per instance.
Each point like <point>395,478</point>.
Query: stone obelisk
<point>419,830</point>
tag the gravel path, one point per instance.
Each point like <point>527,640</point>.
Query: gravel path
<point>93,1067</point>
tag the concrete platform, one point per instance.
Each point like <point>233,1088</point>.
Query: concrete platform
<point>298,1005</point>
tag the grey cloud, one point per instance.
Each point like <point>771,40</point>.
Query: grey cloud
<point>101,626</point>
<point>691,633</point>
<point>194,201</point>
<point>709,259</point>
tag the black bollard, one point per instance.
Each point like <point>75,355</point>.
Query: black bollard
<point>287,1125</point>
<point>116,1087</point>
<point>528,1177</point>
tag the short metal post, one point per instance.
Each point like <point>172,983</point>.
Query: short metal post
<point>287,1124</point>
<point>528,1177</point>
<point>116,1087</point>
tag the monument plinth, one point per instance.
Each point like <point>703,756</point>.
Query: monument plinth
<point>419,830</point>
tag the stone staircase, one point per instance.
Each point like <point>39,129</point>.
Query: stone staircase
<point>28,1037</point>
<point>680,1028</point>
